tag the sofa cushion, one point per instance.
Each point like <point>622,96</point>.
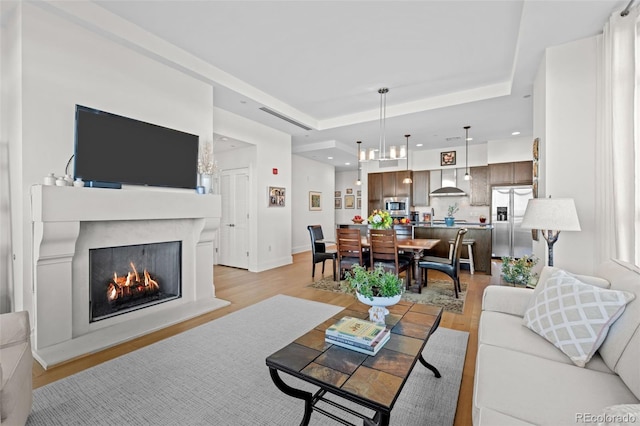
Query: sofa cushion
<point>540,391</point>
<point>547,271</point>
<point>506,331</point>
<point>489,417</point>
<point>621,350</point>
<point>575,316</point>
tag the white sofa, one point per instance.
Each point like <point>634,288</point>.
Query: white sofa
<point>522,379</point>
<point>16,364</point>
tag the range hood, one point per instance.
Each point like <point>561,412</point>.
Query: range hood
<point>448,185</point>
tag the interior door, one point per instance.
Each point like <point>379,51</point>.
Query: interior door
<point>234,227</point>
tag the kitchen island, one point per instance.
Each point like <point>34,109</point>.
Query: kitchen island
<point>481,233</point>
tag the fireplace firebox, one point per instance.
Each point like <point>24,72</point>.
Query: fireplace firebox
<point>127,278</point>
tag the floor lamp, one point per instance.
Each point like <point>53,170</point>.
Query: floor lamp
<point>550,216</point>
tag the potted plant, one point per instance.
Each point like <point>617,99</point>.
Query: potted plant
<point>518,271</point>
<point>450,220</point>
<point>380,219</point>
<point>377,288</point>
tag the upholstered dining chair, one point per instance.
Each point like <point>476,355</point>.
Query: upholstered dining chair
<point>384,251</point>
<point>319,250</point>
<point>450,266</point>
<point>350,251</point>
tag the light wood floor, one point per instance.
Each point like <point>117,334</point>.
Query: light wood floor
<point>244,288</point>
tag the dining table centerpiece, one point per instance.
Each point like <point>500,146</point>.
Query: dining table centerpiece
<point>377,288</point>
<point>380,219</point>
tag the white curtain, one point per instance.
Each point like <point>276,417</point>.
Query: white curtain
<point>618,148</point>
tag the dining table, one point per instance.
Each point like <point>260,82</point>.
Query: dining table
<point>416,246</point>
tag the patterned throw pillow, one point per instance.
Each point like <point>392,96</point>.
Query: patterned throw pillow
<point>575,317</point>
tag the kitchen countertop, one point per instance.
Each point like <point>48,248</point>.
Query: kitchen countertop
<point>440,224</point>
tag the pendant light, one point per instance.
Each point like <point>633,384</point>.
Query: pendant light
<point>394,153</point>
<point>358,159</point>
<point>467,176</point>
<point>407,180</point>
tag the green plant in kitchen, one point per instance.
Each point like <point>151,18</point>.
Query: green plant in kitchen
<point>518,271</point>
<point>375,283</point>
<point>452,210</point>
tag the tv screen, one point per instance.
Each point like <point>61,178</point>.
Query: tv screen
<point>113,149</point>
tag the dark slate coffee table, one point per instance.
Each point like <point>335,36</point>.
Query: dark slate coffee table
<point>373,382</point>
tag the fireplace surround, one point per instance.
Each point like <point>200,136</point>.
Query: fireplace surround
<point>69,222</point>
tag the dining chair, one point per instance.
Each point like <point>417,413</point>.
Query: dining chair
<point>350,251</point>
<point>319,250</point>
<point>404,231</point>
<point>449,266</point>
<point>384,251</point>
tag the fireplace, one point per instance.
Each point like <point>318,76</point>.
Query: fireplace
<point>132,277</point>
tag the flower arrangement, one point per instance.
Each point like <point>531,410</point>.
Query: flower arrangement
<point>452,210</point>
<point>375,283</point>
<point>380,219</point>
<point>206,163</point>
<point>518,271</point>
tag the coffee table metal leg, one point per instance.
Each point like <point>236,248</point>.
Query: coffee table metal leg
<point>296,393</point>
<point>430,367</point>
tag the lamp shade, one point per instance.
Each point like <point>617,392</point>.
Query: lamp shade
<point>556,214</point>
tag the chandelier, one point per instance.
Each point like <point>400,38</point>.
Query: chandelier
<point>381,153</point>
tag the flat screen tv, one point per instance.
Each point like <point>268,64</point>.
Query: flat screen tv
<point>111,149</point>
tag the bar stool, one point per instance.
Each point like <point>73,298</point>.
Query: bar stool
<point>469,260</point>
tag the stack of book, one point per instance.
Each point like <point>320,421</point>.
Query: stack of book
<point>358,335</point>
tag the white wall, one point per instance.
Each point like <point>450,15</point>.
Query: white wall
<point>344,181</point>
<point>565,119</point>
<point>508,150</point>
<point>311,176</point>
<point>272,150</point>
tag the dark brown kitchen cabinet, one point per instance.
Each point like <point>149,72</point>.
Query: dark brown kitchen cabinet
<point>389,184</point>
<point>374,191</point>
<point>403,189</point>
<point>421,188</point>
<point>480,187</point>
<point>516,173</point>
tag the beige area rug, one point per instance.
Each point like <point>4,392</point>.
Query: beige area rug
<point>437,292</point>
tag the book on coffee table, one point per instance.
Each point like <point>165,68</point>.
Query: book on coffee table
<point>372,350</point>
<point>355,330</point>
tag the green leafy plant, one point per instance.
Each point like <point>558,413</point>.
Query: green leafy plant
<point>518,271</point>
<point>452,210</point>
<point>374,283</point>
<point>380,219</point>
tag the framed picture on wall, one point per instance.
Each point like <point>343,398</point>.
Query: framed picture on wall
<point>276,196</point>
<point>359,193</point>
<point>314,200</point>
<point>349,202</point>
<point>448,158</point>
<point>359,203</point>
<point>338,202</point>
<point>349,190</point>
<point>338,194</point>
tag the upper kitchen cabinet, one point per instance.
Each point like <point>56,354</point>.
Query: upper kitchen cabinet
<point>421,188</point>
<point>374,192</point>
<point>480,187</point>
<point>517,173</point>
<point>392,185</point>
<point>389,184</point>
<point>403,189</point>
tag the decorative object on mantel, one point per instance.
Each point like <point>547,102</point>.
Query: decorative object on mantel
<point>78,183</point>
<point>467,176</point>
<point>518,271</point>
<point>550,216</point>
<point>450,220</point>
<point>207,166</point>
<point>377,288</point>
<point>50,180</point>
<point>380,219</point>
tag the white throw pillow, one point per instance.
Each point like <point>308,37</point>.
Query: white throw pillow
<point>575,317</point>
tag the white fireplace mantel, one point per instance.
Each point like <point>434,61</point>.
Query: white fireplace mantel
<point>65,218</point>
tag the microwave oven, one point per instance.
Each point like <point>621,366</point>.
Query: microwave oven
<point>397,206</point>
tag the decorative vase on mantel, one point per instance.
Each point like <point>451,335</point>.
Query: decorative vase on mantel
<point>205,181</point>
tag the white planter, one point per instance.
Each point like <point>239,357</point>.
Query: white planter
<point>378,306</point>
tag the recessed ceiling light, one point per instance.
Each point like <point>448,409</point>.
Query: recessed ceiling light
<point>515,133</point>
<point>243,102</point>
<point>224,139</point>
<point>329,158</point>
<point>418,144</point>
<point>347,164</point>
<point>469,139</point>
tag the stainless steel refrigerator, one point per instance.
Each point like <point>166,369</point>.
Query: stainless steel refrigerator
<point>508,204</point>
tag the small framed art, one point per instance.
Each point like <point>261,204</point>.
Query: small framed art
<point>315,200</point>
<point>448,158</point>
<point>276,196</point>
<point>338,203</point>
<point>349,202</point>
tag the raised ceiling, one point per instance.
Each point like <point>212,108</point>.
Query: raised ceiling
<point>447,64</point>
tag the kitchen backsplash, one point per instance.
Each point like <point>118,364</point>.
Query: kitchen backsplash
<point>467,212</point>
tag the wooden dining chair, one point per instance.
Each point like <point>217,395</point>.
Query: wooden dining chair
<point>384,251</point>
<point>404,231</point>
<point>450,266</point>
<point>350,251</point>
<point>319,250</point>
